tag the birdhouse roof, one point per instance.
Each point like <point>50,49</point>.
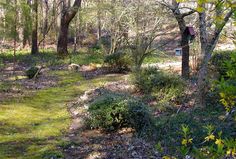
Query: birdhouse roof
<point>190,30</point>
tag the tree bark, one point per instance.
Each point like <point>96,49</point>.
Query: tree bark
<point>34,47</point>
<point>45,25</point>
<point>15,35</point>
<point>99,22</point>
<point>63,39</point>
<point>207,48</point>
<point>20,28</point>
<point>75,35</point>
<point>185,56</point>
<point>184,45</point>
<point>68,13</point>
<point>184,37</point>
<point>202,83</point>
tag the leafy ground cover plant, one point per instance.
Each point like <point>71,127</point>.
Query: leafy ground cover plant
<point>112,111</point>
<point>165,87</point>
<point>180,134</point>
<point>118,60</point>
<point>218,61</point>
<point>227,84</point>
<point>212,146</point>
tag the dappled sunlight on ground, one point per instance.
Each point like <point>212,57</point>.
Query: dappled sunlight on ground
<point>33,126</point>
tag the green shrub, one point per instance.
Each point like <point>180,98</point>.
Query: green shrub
<point>218,61</point>
<point>145,79</point>
<point>112,111</point>
<point>31,72</point>
<point>227,85</point>
<point>169,126</point>
<point>118,60</point>
<point>214,145</point>
<point>164,86</point>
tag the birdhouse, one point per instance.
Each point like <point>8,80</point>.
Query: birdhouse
<point>190,33</point>
<point>178,52</point>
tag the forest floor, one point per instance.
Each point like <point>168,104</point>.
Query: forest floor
<point>44,117</point>
<point>37,120</point>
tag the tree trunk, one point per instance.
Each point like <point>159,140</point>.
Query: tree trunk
<point>184,44</point>
<point>68,13</point>
<point>99,22</point>
<point>34,48</point>
<point>185,48</point>
<point>55,18</point>
<point>175,8</point>
<point>99,26</point>
<point>20,29</point>
<point>15,36</point>
<point>202,75</point>
<point>63,40</point>
<point>76,34</point>
<point>207,48</point>
<point>185,56</point>
<point>45,25</point>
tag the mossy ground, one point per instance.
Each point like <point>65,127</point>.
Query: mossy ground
<point>34,126</point>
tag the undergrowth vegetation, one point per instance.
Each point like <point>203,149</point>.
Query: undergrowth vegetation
<point>119,60</point>
<point>165,87</point>
<point>170,129</point>
<point>214,145</point>
<point>219,59</point>
<point>207,132</point>
<point>225,62</point>
<point>112,111</point>
<point>50,58</point>
<point>36,124</point>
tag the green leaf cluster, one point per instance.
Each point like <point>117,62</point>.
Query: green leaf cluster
<point>112,111</point>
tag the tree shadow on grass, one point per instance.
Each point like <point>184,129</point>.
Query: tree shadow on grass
<point>30,148</point>
<point>29,142</point>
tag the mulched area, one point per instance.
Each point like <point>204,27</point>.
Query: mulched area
<point>91,144</point>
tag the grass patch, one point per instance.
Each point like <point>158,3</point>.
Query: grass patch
<point>85,59</point>
<point>34,126</point>
<point>50,58</point>
<point>160,57</point>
